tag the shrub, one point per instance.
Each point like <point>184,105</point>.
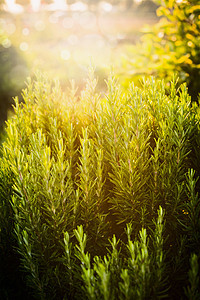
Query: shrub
<point>77,172</point>
<point>172,45</point>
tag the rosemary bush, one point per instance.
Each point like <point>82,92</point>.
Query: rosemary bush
<point>99,194</point>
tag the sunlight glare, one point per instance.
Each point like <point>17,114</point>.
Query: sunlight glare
<point>87,20</point>
<point>105,6</point>
<point>10,28</point>
<point>40,25</point>
<point>67,23</point>
<point>58,5</point>
<point>35,5</point>
<point>79,6</point>
<point>12,7</point>
<point>65,54</point>
<point>72,39</point>
<point>53,19</point>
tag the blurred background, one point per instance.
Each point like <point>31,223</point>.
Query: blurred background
<point>62,38</point>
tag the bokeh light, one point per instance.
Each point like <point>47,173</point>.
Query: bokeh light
<point>65,54</point>
<point>6,43</point>
<point>62,37</point>
<point>25,31</point>
<point>23,46</point>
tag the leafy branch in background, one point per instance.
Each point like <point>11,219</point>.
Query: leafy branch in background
<point>172,45</point>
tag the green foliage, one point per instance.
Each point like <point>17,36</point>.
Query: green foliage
<point>105,279</point>
<point>172,45</point>
<point>192,209</point>
<point>192,291</point>
<point>76,172</point>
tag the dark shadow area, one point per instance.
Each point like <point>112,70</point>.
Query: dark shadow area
<point>13,73</point>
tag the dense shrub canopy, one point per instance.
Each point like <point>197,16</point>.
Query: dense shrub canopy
<point>102,190</point>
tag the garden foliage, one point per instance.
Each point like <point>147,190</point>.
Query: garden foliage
<point>99,193</point>
<point>171,45</point>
